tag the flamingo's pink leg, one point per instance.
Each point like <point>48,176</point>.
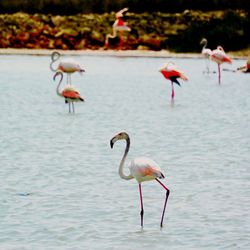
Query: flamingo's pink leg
<point>219,71</point>
<point>142,211</point>
<point>166,199</point>
<point>172,95</point>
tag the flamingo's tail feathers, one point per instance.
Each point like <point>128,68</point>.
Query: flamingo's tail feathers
<point>66,101</point>
<point>176,81</point>
<point>161,175</point>
<point>81,99</point>
<point>183,77</point>
<point>228,60</point>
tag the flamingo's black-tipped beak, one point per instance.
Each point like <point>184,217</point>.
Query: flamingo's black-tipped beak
<point>82,71</point>
<point>111,144</point>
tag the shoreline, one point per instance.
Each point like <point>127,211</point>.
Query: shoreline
<point>113,53</point>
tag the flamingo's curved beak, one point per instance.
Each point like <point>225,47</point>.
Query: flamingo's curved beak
<point>81,71</point>
<point>111,143</point>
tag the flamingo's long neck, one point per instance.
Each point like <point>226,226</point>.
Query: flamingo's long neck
<point>58,86</point>
<point>52,62</point>
<point>111,36</point>
<point>121,167</point>
<point>204,46</point>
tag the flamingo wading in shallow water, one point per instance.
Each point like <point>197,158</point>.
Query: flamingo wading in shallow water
<point>69,93</point>
<point>142,169</point>
<point>118,26</point>
<point>206,53</point>
<point>67,66</point>
<point>171,73</point>
<point>219,56</point>
<point>245,68</point>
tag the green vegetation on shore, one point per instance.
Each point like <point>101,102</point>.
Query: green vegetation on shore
<point>72,7</point>
<point>177,32</point>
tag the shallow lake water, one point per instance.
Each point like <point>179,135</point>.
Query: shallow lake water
<point>60,187</point>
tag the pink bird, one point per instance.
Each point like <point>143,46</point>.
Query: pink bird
<point>67,66</point>
<point>118,27</point>
<point>206,53</point>
<point>219,56</point>
<point>142,169</point>
<point>171,73</point>
<point>69,93</point>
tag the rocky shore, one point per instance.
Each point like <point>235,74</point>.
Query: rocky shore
<point>179,32</point>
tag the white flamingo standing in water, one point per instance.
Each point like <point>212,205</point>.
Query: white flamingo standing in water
<point>206,53</point>
<point>219,56</point>
<point>171,73</point>
<point>142,169</point>
<point>67,66</point>
<point>69,93</point>
<point>118,26</point>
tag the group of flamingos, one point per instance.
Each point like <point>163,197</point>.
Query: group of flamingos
<point>68,66</point>
<point>218,55</point>
<point>143,168</point>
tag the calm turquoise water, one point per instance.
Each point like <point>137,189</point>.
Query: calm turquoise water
<point>64,161</point>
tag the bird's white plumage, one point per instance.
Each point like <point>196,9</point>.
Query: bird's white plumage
<point>219,56</point>
<point>206,52</point>
<point>69,66</point>
<point>144,169</point>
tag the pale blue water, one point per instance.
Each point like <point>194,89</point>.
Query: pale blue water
<point>64,161</point>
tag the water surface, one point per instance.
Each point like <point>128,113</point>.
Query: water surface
<point>60,187</point>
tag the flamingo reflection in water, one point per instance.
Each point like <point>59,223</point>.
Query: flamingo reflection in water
<point>142,169</point>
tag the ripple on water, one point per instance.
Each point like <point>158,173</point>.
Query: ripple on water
<point>60,187</point>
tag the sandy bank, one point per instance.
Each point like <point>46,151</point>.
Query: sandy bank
<point>118,53</point>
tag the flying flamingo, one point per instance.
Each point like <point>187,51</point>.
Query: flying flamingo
<point>118,26</point>
<point>142,169</point>
<point>206,52</point>
<point>219,56</point>
<point>171,73</point>
<point>69,93</point>
<point>68,66</point>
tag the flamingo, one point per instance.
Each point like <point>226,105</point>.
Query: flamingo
<point>206,52</point>
<point>142,169</point>
<point>118,26</point>
<point>171,73</point>
<point>245,68</point>
<point>69,93</point>
<point>68,66</point>
<point>219,56</point>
